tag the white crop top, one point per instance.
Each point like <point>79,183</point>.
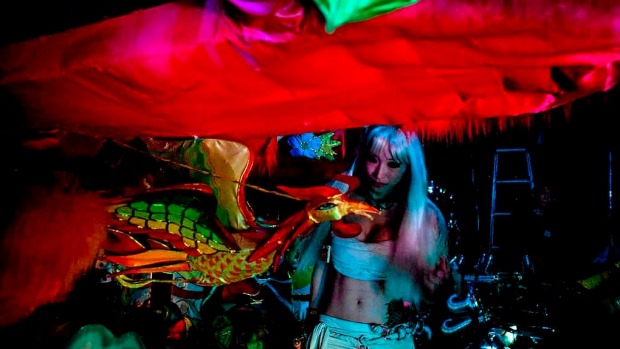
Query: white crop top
<point>361,260</point>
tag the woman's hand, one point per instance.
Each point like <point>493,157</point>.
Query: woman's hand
<point>436,276</point>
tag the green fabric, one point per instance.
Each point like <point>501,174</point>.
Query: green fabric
<point>301,278</point>
<point>97,336</point>
<point>340,12</point>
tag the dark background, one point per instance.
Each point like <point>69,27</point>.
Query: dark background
<point>28,19</point>
<point>574,150</point>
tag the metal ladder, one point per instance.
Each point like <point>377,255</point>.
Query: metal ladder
<point>506,181</point>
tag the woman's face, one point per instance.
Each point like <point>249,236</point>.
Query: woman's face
<point>384,172</point>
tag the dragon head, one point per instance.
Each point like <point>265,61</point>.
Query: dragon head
<point>327,203</point>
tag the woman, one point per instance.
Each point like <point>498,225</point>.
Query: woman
<point>369,286</point>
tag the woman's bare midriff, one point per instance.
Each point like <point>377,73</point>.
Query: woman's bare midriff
<point>357,300</point>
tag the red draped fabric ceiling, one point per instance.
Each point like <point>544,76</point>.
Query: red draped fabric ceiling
<point>219,69</point>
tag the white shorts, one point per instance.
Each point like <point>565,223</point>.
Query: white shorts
<point>334,333</point>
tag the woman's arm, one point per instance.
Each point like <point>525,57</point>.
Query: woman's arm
<point>439,273</point>
<point>319,276</point>
<point>317,287</point>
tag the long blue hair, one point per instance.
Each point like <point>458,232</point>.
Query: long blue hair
<point>422,237</point>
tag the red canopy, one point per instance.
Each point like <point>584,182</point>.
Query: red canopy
<point>178,70</point>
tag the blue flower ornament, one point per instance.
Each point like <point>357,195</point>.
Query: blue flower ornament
<point>313,146</point>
